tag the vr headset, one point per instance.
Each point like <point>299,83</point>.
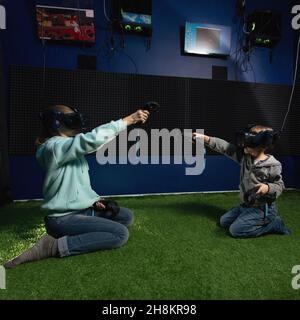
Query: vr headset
<point>265,139</point>
<point>250,197</point>
<point>54,119</point>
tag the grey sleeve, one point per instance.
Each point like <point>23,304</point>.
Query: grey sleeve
<point>276,184</point>
<point>228,149</point>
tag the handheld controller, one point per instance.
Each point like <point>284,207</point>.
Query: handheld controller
<point>111,208</point>
<point>151,106</point>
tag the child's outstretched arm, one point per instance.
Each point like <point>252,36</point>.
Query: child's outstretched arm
<point>71,148</point>
<point>220,146</point>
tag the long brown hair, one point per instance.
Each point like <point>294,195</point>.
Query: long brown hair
<point>46,132</point>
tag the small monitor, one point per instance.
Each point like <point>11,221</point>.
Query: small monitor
<point>66,25</point>
<point>136,18</point>
<point>207,39</point>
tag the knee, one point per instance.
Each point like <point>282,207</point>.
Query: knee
<point>222,224</point>
<point>122,236</point>
<point>224,221</point>
<point>127,216</point>
<point>235,230</point>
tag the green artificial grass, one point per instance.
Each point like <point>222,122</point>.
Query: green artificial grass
<point>176,250</point>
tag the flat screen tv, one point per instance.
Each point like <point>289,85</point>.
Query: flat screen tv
<point>207,39</point>
<point>66,25</point>
<point>135,17</point>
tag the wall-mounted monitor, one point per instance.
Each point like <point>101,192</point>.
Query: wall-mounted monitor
<point>66,25</point>
<point>136,18</point>
<point>207,39</point>
<point>133,16</point>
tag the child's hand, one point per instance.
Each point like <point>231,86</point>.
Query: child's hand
<point>262,188</point>
<point>99,205</point>
<point>138,116</point>
<point>200,136</point>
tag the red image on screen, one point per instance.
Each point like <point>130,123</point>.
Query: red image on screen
<point>66,24</point>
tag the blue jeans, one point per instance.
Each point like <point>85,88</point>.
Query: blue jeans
<point>246,222</point>
<point>83,231</point>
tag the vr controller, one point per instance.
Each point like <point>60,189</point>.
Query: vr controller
<point>251,197</point>
<point>246,138</point>
<point>111,208</point>
<point>151,106</point>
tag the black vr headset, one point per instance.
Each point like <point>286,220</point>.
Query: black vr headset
<point>54,119</point>
<point>265,139</point>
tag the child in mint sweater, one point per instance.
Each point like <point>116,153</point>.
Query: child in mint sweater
<point>75,222</point>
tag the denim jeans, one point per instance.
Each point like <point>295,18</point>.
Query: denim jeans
<point>84,231</point>
<point>244,222</point>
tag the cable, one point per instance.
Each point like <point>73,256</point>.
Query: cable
<point>83,46</point>
<point>119,48</point>
<point>253,71</point>
<point>105,12</point>
<point>43,94</point>
<point>244,29</point>
<point>243,50</point>
<point>79,18</point>
<point>131,59</point>
<point>293,88</point>
<point>237,51</point>
<point>44,73</point>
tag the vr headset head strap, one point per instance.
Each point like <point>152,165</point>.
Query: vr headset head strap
<point>249,127</point>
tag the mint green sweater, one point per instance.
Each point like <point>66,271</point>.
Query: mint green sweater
<point>67,186</point>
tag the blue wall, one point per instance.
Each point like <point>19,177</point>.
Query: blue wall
<point>21,46</point>
<point>220,174</point>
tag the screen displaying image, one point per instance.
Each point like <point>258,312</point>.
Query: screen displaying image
<point>65,24</point>
<point>207,39</point>
<point>128,17</point>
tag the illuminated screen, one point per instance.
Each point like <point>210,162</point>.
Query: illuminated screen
<point>207,39</point>
<point>65,24</point>
<point>136,18</point>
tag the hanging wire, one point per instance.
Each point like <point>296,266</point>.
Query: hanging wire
<point>293,87</point>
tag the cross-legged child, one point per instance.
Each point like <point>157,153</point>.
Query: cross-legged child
<point>76,219</point>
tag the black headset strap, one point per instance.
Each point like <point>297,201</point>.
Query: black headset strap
<point>250,126</point>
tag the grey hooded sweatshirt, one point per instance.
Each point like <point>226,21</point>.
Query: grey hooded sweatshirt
<point>267,171</point>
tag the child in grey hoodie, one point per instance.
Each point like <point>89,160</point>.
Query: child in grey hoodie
<point>260,185</point>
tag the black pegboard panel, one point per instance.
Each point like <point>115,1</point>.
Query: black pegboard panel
<point>102,96</point>
<point>5,188</point>
<point>219,107</point>
<point>293,125</point>
<point>222,107</point>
